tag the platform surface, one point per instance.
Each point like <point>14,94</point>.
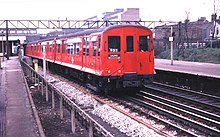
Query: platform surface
<point>16,116</point>
<point>195,68</point>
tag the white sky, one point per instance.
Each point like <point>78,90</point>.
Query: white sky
<point>150,10</point>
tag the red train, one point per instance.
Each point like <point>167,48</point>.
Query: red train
<point>108,58</point>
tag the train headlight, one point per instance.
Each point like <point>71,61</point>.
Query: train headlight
<point>109,71</point>
<point>119,71</point>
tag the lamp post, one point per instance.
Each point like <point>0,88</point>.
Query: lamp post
<point>0,56</point>
<point>171,45</point>
<point>3,48</point>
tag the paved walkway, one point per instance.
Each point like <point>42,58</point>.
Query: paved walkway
<point>195,68</point>
<point>16,116</point>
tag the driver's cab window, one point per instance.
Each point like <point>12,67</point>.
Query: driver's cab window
<point>114,44</point>
<point>144,43</point>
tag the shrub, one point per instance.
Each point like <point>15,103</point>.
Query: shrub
<point>210,55</point>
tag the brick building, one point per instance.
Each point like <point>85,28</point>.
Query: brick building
<point>187,34</point>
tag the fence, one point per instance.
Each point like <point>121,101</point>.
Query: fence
<point>45,87</point>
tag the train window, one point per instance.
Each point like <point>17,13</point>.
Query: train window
<point>63,47</point>
<point>94,48</point>
<point>87,51</point>
<point>144,43</point>
<point>114,44</point>
<point>99,45</point>
<point>70,49</point>
<point>76,48</point>
<point>58,48</point>
<point>85,47</point>
<point>42,49</point>
<point>130,44</point>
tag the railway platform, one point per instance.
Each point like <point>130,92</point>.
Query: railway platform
<point>194,68</point>
<point>16,115</point>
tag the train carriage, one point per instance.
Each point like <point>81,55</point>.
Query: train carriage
<point>120,56</point>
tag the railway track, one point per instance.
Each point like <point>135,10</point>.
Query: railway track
<point>209,102</point>
<point>141,109</point>
<point>173,115</point>
<point>95,107</point>
<point>150,108</point>
<point>199,111</point>
<point>164,120</point>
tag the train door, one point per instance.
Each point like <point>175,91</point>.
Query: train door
<point>40,50</point>
<point>57,51</point>
<point>93,52</point>
<point>97,61</point>
<point>54,51</point>
<point>130,59</point>
<point>63,55</point>
<point>85,52</point>
<point>50,52</point>
<point>144,57</point>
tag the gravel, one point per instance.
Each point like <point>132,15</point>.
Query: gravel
<point>125,124</point>
<point>116,119</point>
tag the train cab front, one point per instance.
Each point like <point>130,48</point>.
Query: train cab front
<point>129,57</point>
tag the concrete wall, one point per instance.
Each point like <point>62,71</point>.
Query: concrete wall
<point>132,14</point>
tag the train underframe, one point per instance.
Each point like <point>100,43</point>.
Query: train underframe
<point>103,84</point>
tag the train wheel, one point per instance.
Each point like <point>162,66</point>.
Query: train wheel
<point>81,76</point>
<point>107,89</point>
<point>106,92</point>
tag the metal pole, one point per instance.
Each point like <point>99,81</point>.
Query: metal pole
<point>90,129</point>
<point>42,87</point>
<point>171,47</point>
<point>61,107</point>
<point>7,43</point>
<point>35,78</point>
<point>73,120</point>
<point>2,54</point>
<point>47,92</point>
<point>38,82</point>
<point>0,62</point>
<point>44,61</point>
<point>3,47</point>
<point>32,76</point>
<point>53,99</point>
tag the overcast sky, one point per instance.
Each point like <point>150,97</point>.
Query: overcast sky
<point>150,10</point>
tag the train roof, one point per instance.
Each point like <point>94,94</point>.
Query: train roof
<point>125,25</point>
<point>91,31</point>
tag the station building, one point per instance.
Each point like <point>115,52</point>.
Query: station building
<point>15,38</point>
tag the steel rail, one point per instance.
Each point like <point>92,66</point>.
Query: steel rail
<point>172,115</point>
<point>182,93</point>
<point>158,119</point>
<point>216,98</point>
